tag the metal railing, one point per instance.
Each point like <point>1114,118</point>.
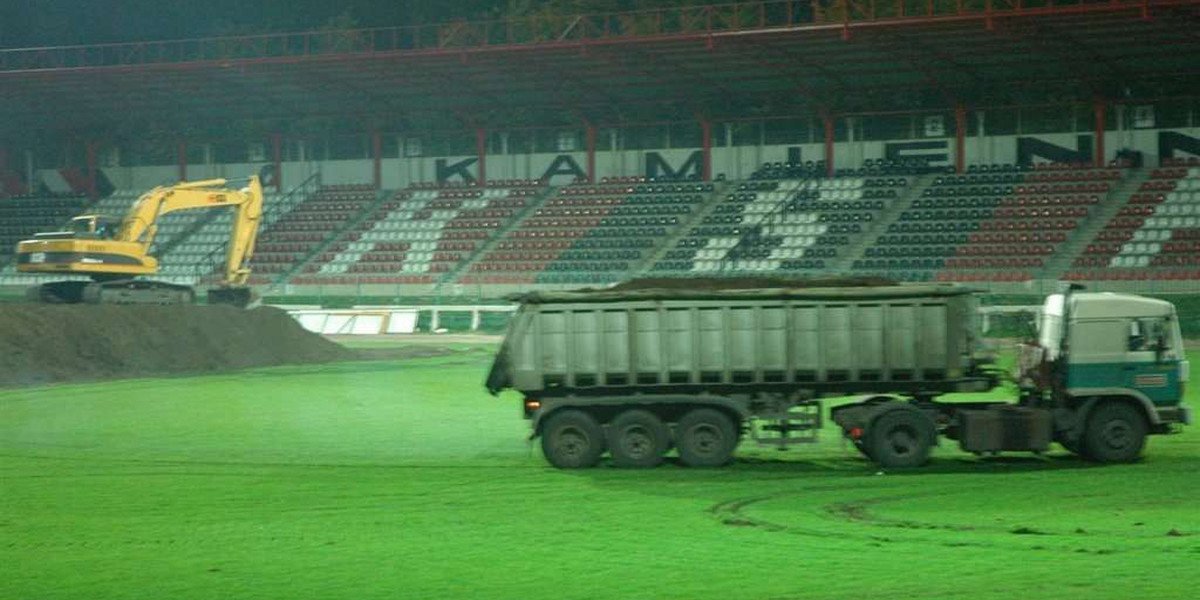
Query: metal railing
<point>711,20</point>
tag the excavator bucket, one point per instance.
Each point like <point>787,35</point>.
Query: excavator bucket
<point>240,297</point>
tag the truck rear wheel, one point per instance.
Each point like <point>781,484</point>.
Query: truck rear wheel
<point>572,439</point>
<point>900,438</point>
<point>705,438</point>
<point>1116,432</point>
<point>638,438</point>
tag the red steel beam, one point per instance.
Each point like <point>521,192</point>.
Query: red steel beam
<point>377,159</point>
<point>91,169</point>
<point>277,158</point>
<point>589,135</point>
<point>960,138</point>
<point>481,152</point>
<point>181,152</point>
<point>705,148</point>
<point>828,144</point>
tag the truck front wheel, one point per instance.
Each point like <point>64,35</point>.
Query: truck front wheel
<point>638,438</point>
<point>900,438</point>
<point>705,438</point>
<point>572,439</point>
<point>1116,432</point>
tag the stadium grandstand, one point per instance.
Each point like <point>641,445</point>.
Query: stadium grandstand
<point>1010,145</point>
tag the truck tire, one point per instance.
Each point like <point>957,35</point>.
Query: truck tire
<point>572,439</point>
<point>1116,433</point>
<point>705,438</point>
<point>638,438</point>
<point>900,438</point>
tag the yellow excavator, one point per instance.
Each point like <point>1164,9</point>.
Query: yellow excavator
<point>113,253</point>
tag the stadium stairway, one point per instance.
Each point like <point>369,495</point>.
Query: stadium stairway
<point>497,235</point>
<point>890,214</point>
<point>364,214</point>
<point>720,189</point>
<point>1091,226</point>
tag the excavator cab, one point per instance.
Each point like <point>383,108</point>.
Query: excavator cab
<point>85,227</point>
<point>95,227</point>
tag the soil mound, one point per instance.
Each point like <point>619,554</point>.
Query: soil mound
<point>48,343</point>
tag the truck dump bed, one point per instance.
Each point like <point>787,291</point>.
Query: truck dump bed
<point>823,340</point>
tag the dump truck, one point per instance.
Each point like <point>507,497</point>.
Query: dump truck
<point>635,373</point>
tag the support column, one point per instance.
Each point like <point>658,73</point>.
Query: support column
<point>277,158</point>
<point>181,151</point>
<point>481,152</point>
<point>377,158</point>
<point>589,140</point>
<point>960,139</point>
<point>1098,152</point>
<point>828,144</point>
<point>4,169</point>
<point>91,169</point>
<point>705,149</point>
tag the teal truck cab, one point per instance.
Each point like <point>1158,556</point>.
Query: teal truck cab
<point>1111,368</point>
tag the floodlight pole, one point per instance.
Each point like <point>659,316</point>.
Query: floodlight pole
<point>706,148</point>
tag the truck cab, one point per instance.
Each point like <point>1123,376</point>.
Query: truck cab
<point>1117,346</point>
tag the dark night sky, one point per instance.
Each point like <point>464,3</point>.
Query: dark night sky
<point>25,23</point>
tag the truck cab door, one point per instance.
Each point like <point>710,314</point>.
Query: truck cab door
<point>1151,364</point>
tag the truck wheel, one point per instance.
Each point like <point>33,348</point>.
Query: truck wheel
<point>572,439</point>
<point>637,438</point>
<point>1116,432</point>
<point>705,438</point>
<point>900,438</point>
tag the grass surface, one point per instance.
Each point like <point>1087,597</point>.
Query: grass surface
<point>404,480</point>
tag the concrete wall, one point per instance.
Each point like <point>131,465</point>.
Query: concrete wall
<point>736,162</point>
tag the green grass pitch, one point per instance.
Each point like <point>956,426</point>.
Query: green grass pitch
<point>405,480</point>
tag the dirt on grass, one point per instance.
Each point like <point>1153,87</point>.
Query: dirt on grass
<point>415,345</point>
<point>42,344</point>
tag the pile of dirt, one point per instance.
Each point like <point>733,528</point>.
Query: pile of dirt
<point>54,343</point>
<point>746,283</point>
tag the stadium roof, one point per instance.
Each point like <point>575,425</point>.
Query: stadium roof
<point>708,60</point>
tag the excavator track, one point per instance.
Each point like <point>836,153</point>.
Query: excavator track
<point>138,291</point>
<point>121,291</point>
